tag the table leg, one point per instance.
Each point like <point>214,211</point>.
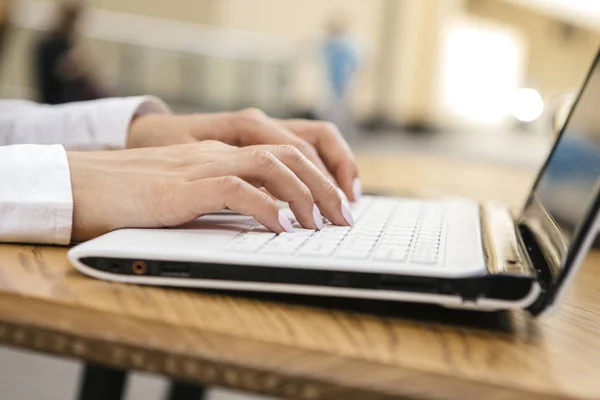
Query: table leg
<point>101,383</point>
<point>186,391</point>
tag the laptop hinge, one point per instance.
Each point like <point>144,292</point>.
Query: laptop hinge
<point>513,250</point>
<point>544,274</point>
<point>502,242</point>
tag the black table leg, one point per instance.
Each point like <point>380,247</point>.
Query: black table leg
<point>186,391</point>
<point>101,383</point>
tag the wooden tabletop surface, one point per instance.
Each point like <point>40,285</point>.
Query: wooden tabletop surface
<point>292,348</point>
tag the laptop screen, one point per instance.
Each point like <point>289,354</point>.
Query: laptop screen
<point>568,184</point>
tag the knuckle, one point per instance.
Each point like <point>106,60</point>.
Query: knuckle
<point>252,114</point>
<point>264,159</point>
<point>289,152</point>
<point>250,121</point>
<point>306,148</point>
<point>192,154</point>
<point>332,192</point>
<point>266,200</point>
<point>232,185</point>
<point>306,195</point>
<point>330,128</point>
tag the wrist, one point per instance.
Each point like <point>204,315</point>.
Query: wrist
<point>89,212</point>
<point>135,127</point>
<point>217,126</point>
<point>142,120</point>
<point>147,130</point>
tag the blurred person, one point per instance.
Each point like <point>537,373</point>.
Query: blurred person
<point>175,169</point>
<point>62,71</point>
<point>4,22</point>
<point>341,56</point>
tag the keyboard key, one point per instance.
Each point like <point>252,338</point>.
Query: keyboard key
<point>425,260</point>
<point>300,232</point>
<point>359,241</point>
<point>399,230</point>
<point>382,253</point>
<point>395,247</point>
<point>330,241</point>
<point>394,238</point>
<point>249,247</point>
<point>395,242</point>
<point>386,230</point>
<point>336,228</point>
<point>278,248</point>
<point>352,253</point>
<point>398,255</point>
<point>317,249</point>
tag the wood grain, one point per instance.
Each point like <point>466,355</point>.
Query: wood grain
<point>314,349</point>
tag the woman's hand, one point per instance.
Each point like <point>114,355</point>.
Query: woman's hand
<point>320,142</point>
<point>169,186</point>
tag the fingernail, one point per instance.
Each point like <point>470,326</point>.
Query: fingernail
<point>356,190</point>
<point>347,214</point>
<point>317,217</point>
<point>285,223</point>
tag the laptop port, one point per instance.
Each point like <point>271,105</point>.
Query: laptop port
<point>180,270</point>
<point>139,267</point>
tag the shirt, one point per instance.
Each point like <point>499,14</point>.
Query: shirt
<point>36,202</point>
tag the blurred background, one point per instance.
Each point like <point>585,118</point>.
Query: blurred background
<point>482,79</point>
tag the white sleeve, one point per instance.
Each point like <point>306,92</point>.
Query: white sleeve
<point>89,125</point>
<point>36,205</point>
<point>36,202</point>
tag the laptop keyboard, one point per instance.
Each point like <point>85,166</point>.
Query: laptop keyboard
<point>386,229</point>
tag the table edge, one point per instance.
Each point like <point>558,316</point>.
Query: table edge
<point>73,340</point>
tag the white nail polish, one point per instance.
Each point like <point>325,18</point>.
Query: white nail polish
<point>356,190</point>
<point>285,223</point>
<point>347,213</point>
<point>317,217</point>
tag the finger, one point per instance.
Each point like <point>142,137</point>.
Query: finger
<point>333,150</point>
<point>323,191</point>
<point>255,127</point>
<point>265,191</point>
<point>266,170</point>
<point>261,168</point>
<point>214,194</point>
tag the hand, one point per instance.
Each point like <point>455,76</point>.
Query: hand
<point>320,142</point>
<point>169,186</point>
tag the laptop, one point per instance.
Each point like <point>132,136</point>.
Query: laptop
<point>451,252</point>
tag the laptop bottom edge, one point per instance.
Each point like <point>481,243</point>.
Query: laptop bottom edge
<point>484,293</point>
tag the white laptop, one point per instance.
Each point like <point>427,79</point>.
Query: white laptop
<point>456,253</point>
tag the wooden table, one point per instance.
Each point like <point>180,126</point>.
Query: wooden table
<point>295,350</point>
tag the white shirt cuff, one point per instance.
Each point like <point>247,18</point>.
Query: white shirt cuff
<point>117,114</point>
<point>36,202</point>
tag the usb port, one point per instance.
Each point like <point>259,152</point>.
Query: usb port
<point>181,270</point>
